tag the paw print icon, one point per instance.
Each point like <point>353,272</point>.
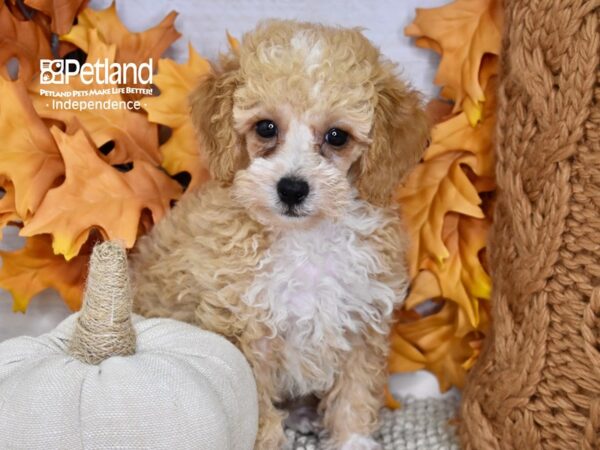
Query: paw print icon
<point>52,71</point>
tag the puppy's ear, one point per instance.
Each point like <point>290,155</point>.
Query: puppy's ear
<point>399,137</point>
<point>212,115</point>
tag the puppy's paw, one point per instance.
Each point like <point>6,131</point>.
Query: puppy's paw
<point>360,442</point>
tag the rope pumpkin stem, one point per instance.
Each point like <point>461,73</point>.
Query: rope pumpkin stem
<point>104,327</point>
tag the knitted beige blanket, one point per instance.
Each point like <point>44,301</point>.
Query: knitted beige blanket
<point>537,382</point>
<point>420,424</point>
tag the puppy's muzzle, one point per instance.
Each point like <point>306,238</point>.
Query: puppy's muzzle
<point>292,191</point>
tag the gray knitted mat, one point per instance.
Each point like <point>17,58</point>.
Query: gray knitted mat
<point>420,424</point>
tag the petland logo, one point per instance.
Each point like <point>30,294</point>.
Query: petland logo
<point>99,86</point>
<point>58,71</point>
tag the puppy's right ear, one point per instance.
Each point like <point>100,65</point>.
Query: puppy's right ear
<point>212,115</point>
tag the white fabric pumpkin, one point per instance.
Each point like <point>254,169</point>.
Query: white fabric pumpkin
<point>183,388</point>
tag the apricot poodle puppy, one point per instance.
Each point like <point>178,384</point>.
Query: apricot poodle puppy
<point>294,252</point>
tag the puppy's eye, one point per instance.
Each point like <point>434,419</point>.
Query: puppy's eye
<point>336,137</point>
<point>266,129</point>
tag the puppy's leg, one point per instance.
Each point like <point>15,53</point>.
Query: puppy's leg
<point>351,408</point>
<point>270,423</point>
<point>271,435</point>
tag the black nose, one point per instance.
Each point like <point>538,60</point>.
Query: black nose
<point>292,191</point>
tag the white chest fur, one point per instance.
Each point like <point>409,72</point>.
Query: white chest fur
<point>318,288</point>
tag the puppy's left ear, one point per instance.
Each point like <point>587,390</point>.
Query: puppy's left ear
<point>399,137</point>
<point>212,114</point>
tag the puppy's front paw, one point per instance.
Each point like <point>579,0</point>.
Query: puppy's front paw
<point>360,442</point>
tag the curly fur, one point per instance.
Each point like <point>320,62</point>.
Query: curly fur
<point>308,297</point>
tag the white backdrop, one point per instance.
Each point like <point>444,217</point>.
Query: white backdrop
<point>204,23</point>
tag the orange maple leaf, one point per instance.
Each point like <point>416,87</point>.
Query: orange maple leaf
<point>405,356</point>
<point>134,137</point>
<point>438,110</point>
<point>444,213</point>
<point>390,401</point>
<point>29,271</point>
<point>234,44</point>
<point>440,185</point>
<point>444,347</point>
<point>435,188</point>
<point>171,108</point>
<point>461,278</point>
<point>29,156</point>
<point>131,47</point>
<point>95,195</point>
<point>8,212</point>
<point>181,153</point>
<point>463,32</point>
<point>476,110</point>
<point>61,12</point>
<point>447,342</point>
<point>457,133</point>
<point>424,287</point>
<point>465,237</point>
<point>23,40</point>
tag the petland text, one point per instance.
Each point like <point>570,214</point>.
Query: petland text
<point>58,71</point>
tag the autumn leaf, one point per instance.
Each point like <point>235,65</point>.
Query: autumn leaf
<point>22,40</point>
<point>438,110</point>
<point>463,32</point>
<point>406,358</point>
<point>435,188</point>
<point>461,277</point>
<point>445,343</point>
<point>171,108</point>
<point>29,157</point>
<point>134,137</point>
<point>95,195</point>
<point>175,82</point>
<point>445,350</point>
<point>61,12</point>
<point>29,271</point>
<point>181,153</point>
<point>8,212</point>
<point>234,44</point>
<point>425,286</point>
<point>390,401</point>
<point>466,237</point>
<point>440,185</point>
<point>441,202</point>
<point>475,110</point>
<point>457,133</point>
<point>131,47</point>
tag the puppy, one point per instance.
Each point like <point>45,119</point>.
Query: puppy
<point>293,252</point>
